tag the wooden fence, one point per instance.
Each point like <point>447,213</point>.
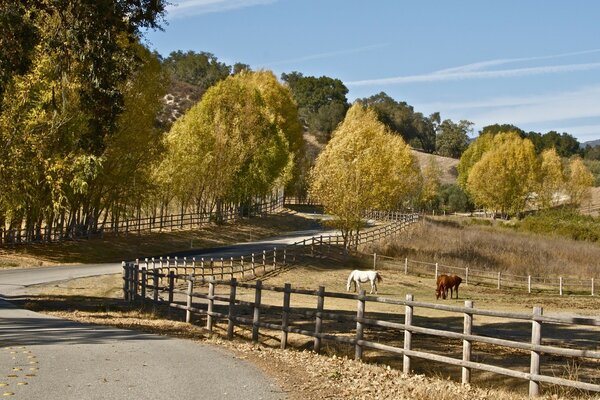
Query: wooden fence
<point>561,285</point>
<point>256,264</point>
<point>138,225</point>
<point>199,297</point>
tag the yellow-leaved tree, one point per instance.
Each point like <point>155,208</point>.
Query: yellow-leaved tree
<point>240,141</point>
<point>431,182</point>
<point>362,167</point>
<point>504,178</point>
<point>550,178</point>
<point>579,181</point>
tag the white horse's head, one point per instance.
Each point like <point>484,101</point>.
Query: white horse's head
<point>350,277</point>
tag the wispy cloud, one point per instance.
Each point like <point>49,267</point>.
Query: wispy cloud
<point>492,63</point>
<point>453,76</point>
<point>478,70</point>
<point>328,54</point>
<point>185,8</point>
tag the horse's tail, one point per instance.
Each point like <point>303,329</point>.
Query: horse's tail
<point>349,281</point>
<point>378,277</point>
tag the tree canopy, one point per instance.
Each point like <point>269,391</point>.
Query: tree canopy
<point>363,167</point>
<point>240,141</point>
<point>505,175</point>
<point>401,118</point>
<point>321,102</point>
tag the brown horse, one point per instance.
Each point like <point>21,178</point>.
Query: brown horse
<point>445,282</point>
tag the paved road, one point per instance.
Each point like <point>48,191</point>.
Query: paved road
<point>48,358</point>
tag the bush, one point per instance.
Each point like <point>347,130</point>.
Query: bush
<point>565,222</point>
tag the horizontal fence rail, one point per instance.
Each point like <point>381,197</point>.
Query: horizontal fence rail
<point>197,296</point>
<point>560,285</point>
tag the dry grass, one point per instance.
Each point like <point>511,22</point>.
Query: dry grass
<point>449,241</point>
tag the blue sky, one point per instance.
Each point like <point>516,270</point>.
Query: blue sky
<point>532,63</point>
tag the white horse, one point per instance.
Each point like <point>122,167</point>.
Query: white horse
<point>364,276</point>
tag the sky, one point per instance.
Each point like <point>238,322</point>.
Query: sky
<point>531,63</point>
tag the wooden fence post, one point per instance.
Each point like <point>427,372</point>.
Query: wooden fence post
<point>222,269</point>
<point>264,261</point>
<point>256,313</point>
<point>466,275</point>
<point>408,314</point>
<point>499,279</point>
<point>319,318</point>
<point>231,312</point>
<point>136,279</point>
<point>374,261</point>
<point>211,302</point>
<point>242,267</point>
<point>285,263</point>
<point>536,340</point>
<point>285,315</point>
<point>143,297</point>
<point>592,286</point>
<point>155,283</point>
<point>436,271</point>
<point>468,328</point>
<point>125,281</point>
<point>171,292</point>
<point>231,267</point>
<point>406,266</point>
<point>190,289</point>
<point>560,285</point>
<point>360,314</point>
<point>253,266</point>
<point>528,283</point>
<point>274,258</point>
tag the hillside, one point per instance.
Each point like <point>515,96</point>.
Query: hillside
<point>448,165</point>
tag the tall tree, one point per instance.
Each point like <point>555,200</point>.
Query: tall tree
<point>321,102</point>
<point>579,181</point>
<point>238,142</point>
<point>363,167</point>
<point>550,178</point>
<point>504,178</point>
<point>453,138</point>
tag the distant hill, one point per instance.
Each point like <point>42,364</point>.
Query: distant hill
<point>448,165</point>
<point>591,143</point>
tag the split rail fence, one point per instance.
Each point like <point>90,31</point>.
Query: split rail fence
<point>200,298</point>
<point>254,265</point>
<point>561,285</point>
